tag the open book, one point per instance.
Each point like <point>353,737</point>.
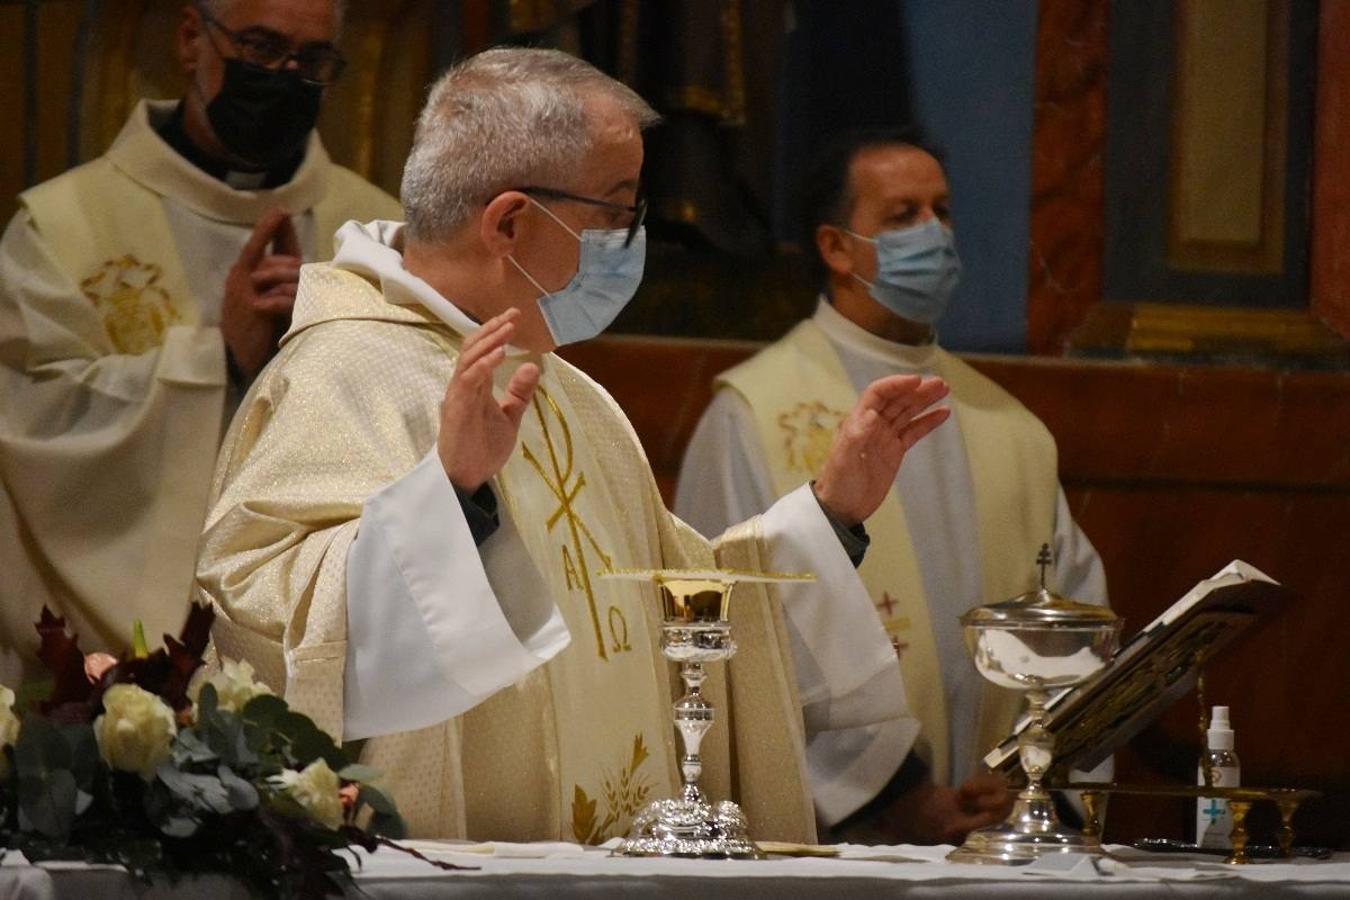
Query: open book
<point>1153,668</point>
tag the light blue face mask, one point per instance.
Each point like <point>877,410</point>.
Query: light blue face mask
<point>917,270</point>
<point>608,275</point>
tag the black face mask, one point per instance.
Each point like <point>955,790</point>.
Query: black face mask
<point>262,116</point>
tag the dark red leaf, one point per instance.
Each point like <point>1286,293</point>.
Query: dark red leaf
<point>196,631</point>
<point>60,653</point>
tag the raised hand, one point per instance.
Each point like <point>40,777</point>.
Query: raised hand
<point>478,431</point>
<point>891,416</point>
<point>260,291</point>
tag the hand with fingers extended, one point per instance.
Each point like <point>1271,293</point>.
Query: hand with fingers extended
<point>478,431</point>
<point>891,416</point>
<point>260,291</point>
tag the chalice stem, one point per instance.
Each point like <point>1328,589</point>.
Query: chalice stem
<point>1036,748</point>
<point>693,718</point>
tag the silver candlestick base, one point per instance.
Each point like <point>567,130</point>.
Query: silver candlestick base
<point>696,828</point>
<point>695,631</point>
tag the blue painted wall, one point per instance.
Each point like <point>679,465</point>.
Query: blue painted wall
<point>972,85</point>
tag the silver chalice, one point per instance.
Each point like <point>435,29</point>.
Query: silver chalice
<point>696,630</point>
<point>1036,643</point>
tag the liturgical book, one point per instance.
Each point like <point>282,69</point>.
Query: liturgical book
<point>1152,669</point>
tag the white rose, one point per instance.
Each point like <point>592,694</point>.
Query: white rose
<point>234,685</point>
<point>135,730</point>
<point>9,727</point>
<point>315,788</point>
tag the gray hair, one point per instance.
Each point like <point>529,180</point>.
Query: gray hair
<point>217,9</point>
<point>506,118</point>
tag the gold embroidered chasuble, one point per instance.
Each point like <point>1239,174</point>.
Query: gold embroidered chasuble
<point>575,747</point>
<point>799,392</point>
<point>111,389</point>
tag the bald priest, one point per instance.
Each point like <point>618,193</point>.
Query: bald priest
<point>414,501</point>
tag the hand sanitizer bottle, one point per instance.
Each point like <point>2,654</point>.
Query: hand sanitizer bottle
<point>1213,818</point>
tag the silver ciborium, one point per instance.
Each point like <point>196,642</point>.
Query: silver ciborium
<point>695,630</point>
<point>1037,643</point>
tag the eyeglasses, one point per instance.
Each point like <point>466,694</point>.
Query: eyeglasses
<point>638,211</point>
<point>316,63</point>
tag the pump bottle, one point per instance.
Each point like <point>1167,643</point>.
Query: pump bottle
<point>1213,817</point>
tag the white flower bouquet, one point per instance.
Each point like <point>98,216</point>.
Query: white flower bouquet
<point>122,764</point>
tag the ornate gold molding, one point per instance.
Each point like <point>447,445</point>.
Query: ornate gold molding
<point>1210,332</point>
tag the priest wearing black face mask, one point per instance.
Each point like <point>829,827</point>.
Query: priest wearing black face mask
<point>139,295</point>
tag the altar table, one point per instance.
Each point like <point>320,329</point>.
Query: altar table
<point>562,871</point>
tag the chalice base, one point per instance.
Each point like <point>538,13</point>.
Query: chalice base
<point>690,828</point>
<point>1031,831</point>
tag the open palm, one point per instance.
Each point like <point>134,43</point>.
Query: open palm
<point>890,417</point>
<point>478,431</point>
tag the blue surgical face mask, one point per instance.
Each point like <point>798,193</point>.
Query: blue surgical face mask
<point>608,275</point>
<point>917,270</point>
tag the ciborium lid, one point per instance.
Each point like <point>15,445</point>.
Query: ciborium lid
<point>1040,608</point>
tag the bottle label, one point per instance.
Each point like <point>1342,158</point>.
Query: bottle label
<point>1213,818</point>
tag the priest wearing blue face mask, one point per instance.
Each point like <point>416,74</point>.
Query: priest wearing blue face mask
<point>139,295</point>
<point>963,521</point>
<point>418,499</point>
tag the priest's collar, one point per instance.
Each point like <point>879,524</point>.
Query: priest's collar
<point>175,135</point>
<point>146,157</point>
<point>375,251</point>
<point>851,336</point>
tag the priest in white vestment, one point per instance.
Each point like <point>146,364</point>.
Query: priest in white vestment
<point>138,295</point>
<point>417,498</point>
<point>969,509</point>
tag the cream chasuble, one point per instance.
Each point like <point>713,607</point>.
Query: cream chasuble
<point>112,377</point>
<point>798,391</point>
<point>506,691</point>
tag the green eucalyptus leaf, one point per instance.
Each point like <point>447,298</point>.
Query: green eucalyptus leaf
<point>390,825</point>
<point>203,793</point>
<point>264,710</point>
<point>84,758</point>
<point>47,803</point>
<point>180,826</point>
<point>189,748</point>
<point>243,795</point>
<point>359,772</point>
<point>207,701</point>
<point>40,748</point>
<point>376,799</point>
<point>310,743</point>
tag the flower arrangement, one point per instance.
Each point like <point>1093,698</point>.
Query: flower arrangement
<point>131,762</point>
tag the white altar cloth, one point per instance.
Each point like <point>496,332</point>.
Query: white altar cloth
<point>561,871</point>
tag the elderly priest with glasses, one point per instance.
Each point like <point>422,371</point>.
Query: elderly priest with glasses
<point>416,497</point>
<point>139,294</point>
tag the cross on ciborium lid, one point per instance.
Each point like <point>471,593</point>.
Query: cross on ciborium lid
<point>1039,607</point>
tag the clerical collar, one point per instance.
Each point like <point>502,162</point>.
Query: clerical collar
<point>374,250</point>
<point>175,135</point>
<point>850,335</point>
